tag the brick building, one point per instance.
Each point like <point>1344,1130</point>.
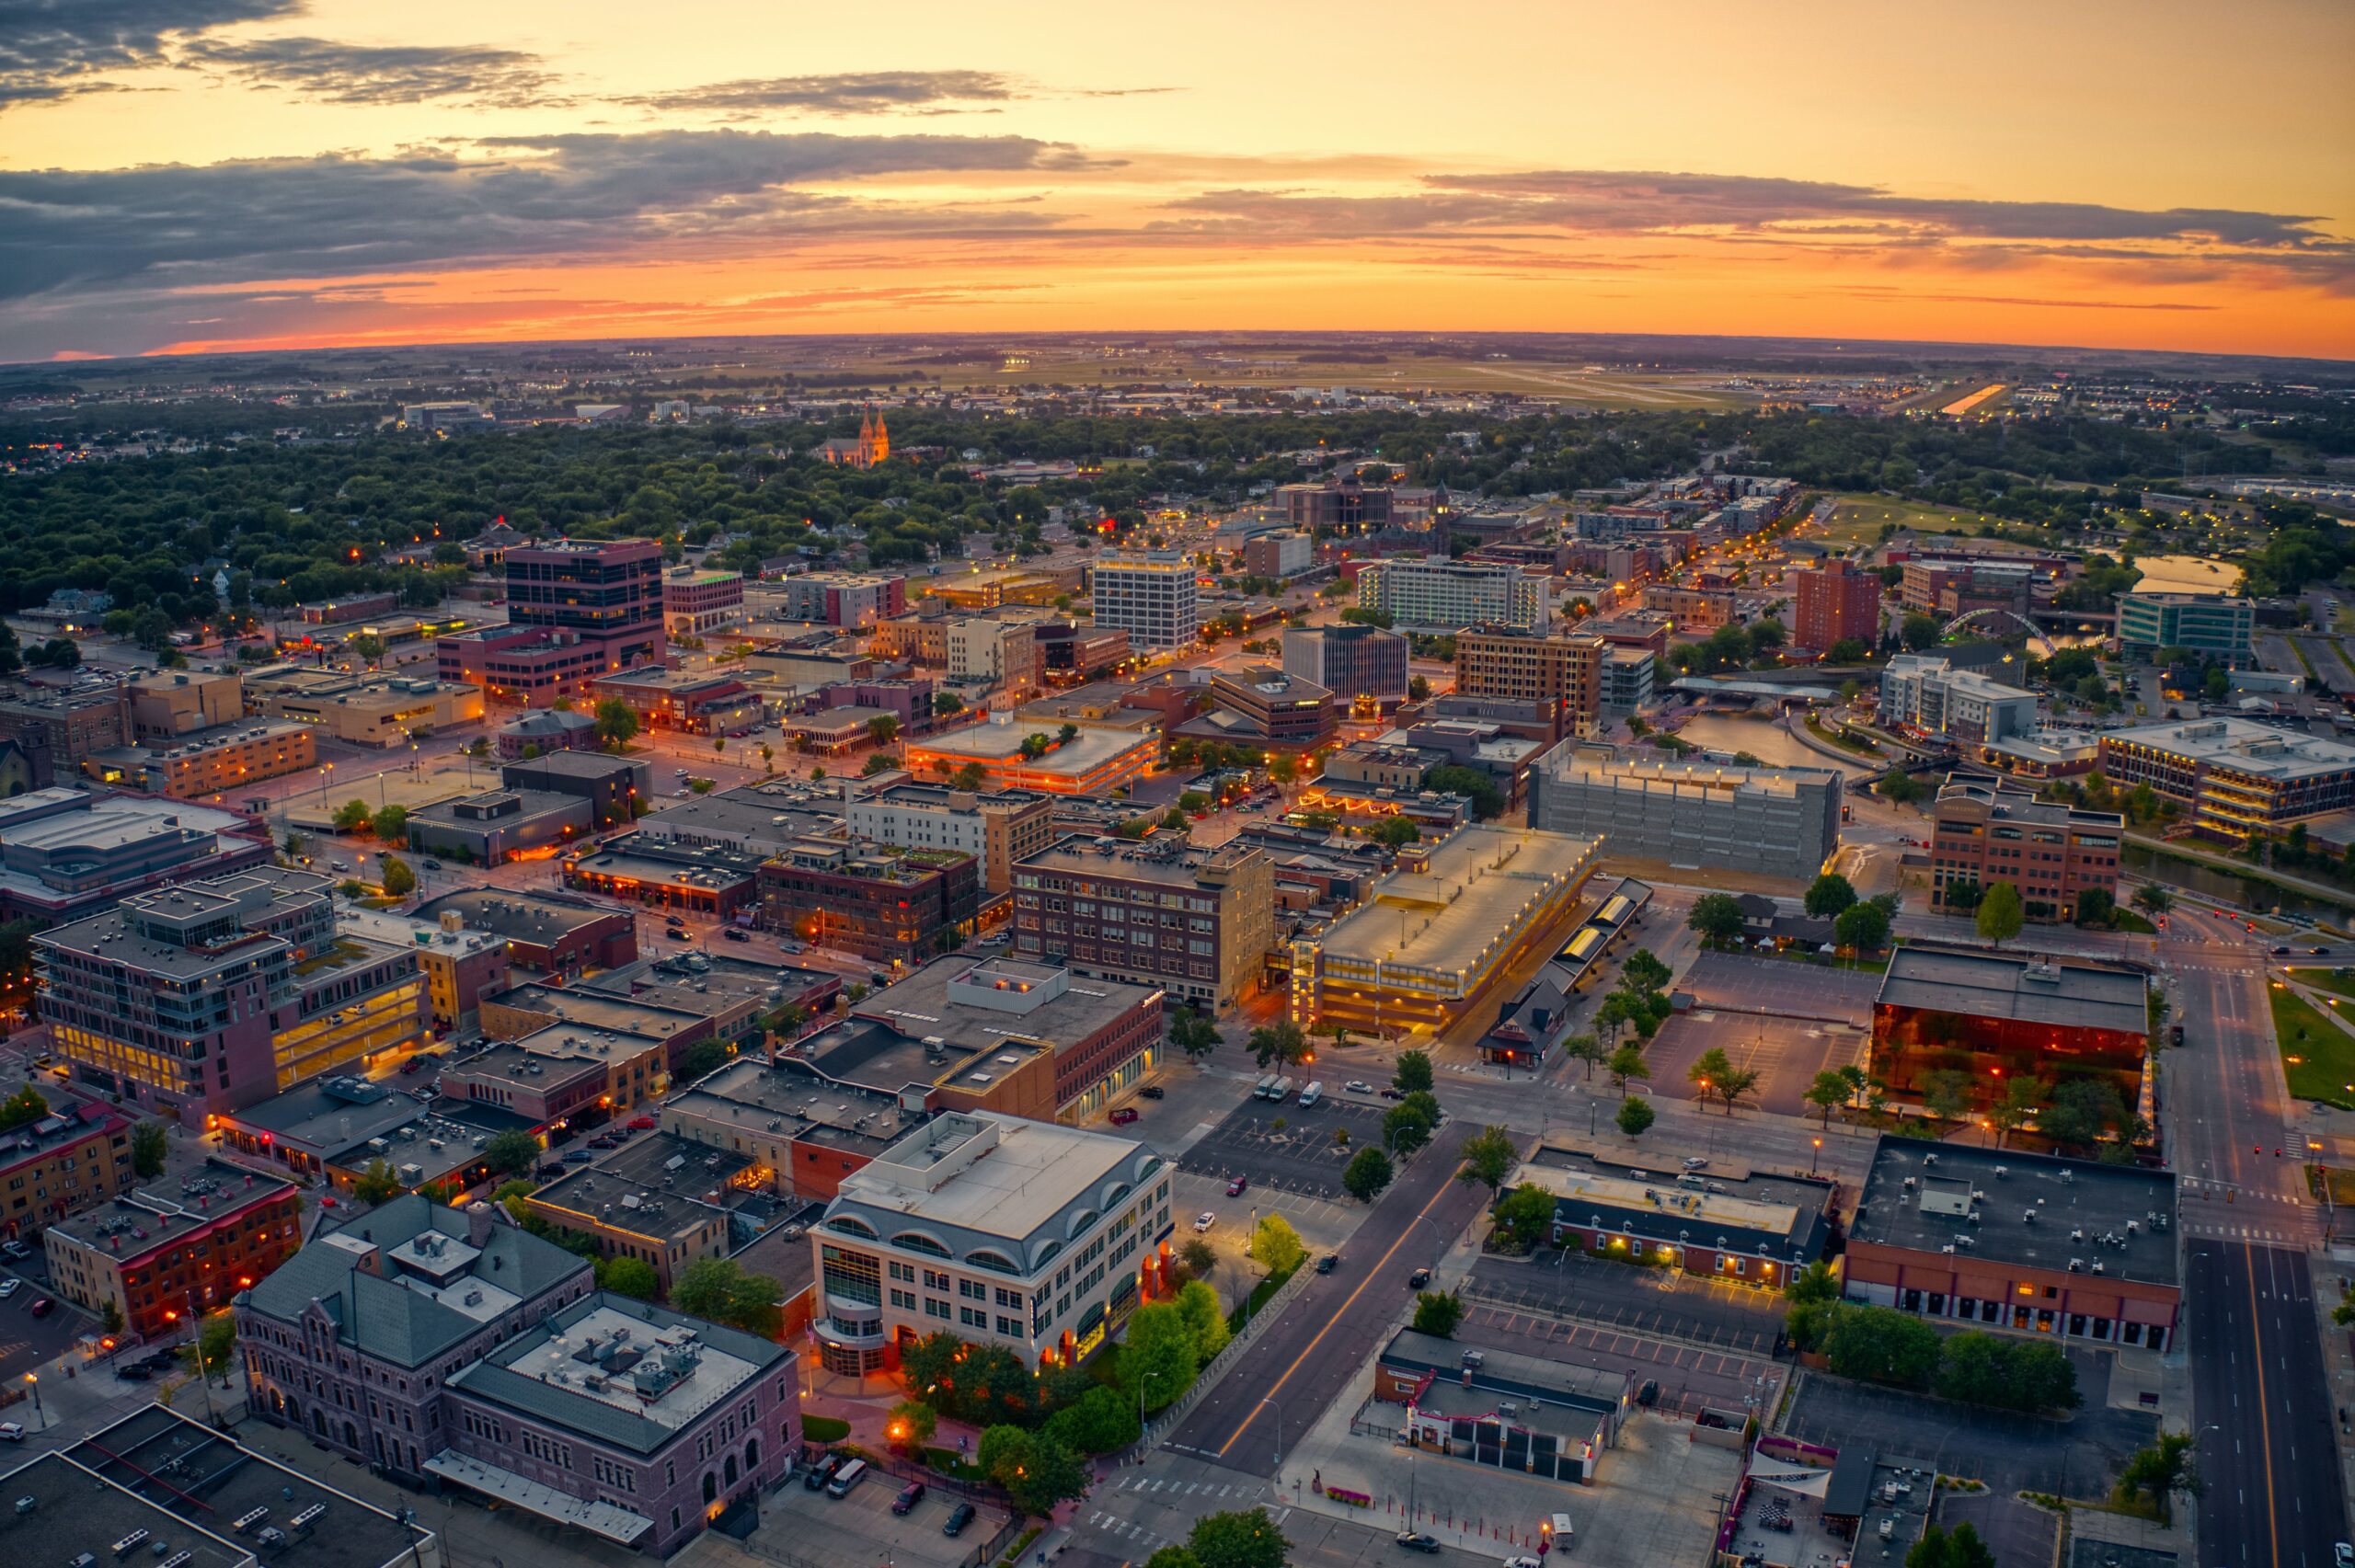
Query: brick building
<point>161,1255</point>
<point>1197,922</point>
<point>65,1161</point>
<point>1837,603</point>
<point>1564,671</point>
<point>885,904</point>
<point>1982,833</point>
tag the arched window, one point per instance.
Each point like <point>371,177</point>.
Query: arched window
<point>1079,1222</point>
<point>710,1486</point>
<point>996,1262</point>
<point>752,1456</point>
<point>917,1241</point>
<point>731,1469</point>
<point>851,1225</point>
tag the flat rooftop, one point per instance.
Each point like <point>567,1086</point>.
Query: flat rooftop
<point>2084,1209</point>
<point>1036,1171</point>
<point>2256,750</point>
<point>159,1214</point>
<point>2068,993</point>
<point>620,1371</point>
<point>1481,883</point>
<point>711,869</point>
<point>535,918</point>
<point>1606,765</point>
<point>76,1515</point>
<point>975,1002</point>
<point>205,1481</point>
<point>1003,742</point>
<point>1588,1388</point>
<point>661,1186</point>
<point>791,1093</point>
<point>1168,859</point>
<point>874,1055</point>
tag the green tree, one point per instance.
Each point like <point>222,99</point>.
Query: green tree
<point>216,1344</point>
<point>947,704</point>
<point>2153,900</point>
<point>510,1195</point>
<point>1627,1063</point>
<point>1715,917</point>
<point>351,817</point>
<point>1159,1355</point>
<point>1278,1042</point>
<point>1438,1312</point>
<point>1276,1246</point>
<point>1419,690</point>
<point>1395,832</point>
<point>1636,1116</point>
<point>1490,1156</point>
<point>511,1153</point>
<point>1957,1548</point>
<point>707,1057</point>
<point>22,1108</point>
<point>629,1276</point>
<point>2016,1106</point>
<point>1475,786</point>
<point>720,1289</point>
<point>398,879</point>
<point>391,824</point>
<point>1526,1215</point>
<point>376,1184</point>
<point>2096,906</point>
<point>1584,1047</point>
<point>1827,1093</point>
<point>967,778</point>
<point>1196,1303</point>
<point>883,728</point>
<point>1035,1472</point>
<point>1861,928</point>
<point>1193,1032</point>
<point>1247,1539</point>
<point>616,723</point>
<point>1881,1345</point>
<point>1643,973</point>
<point>1406,1128</point>
<point>1828,895</point>
<point>1918,632</point>
<point>1198,1256</point>
<point>910,1426</point>
<point>2081,1112</point>
<point>1099,1422</point>
<point>2161,1472</point>
<point>2001,915</point>
<point>1946,1093</point>
<point>1367,1173</point>
<point>149,1142</point>
<point>1413,1073</point>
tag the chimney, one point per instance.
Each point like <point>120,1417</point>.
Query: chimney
<point>478,1223</point>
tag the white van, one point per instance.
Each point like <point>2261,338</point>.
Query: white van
<point>850,1475</point>
<point>1558,1531</point>
<point>1311,1094</point>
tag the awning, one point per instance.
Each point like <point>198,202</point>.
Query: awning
<point>1808,1480</point>
<point>599,1518</point>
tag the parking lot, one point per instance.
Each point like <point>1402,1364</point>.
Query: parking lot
<point>1285,1148</point>
<point>1786,1053</point>
<point>1688,1379</point>
<point>1735,1319</point>
<point>810,1529</point>
<point>1735,982</point>
<point>29,1344</point>
<point>2078,1457</point>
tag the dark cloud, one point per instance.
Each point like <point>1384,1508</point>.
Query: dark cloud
<point>581,195</point>
<point>56,48</point>
<point>358,73</point>
<point>864,92</point>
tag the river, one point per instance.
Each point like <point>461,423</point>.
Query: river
<point>1767,742</point>
<point>2201,881</point>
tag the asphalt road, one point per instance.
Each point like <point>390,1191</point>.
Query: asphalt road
<point>1285,1381</point>
<point>2271,1497</point>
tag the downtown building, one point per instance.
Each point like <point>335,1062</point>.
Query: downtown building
<point>1926,693</point>
<point>1152,595</point>
<point>211,996</point>
<point>2208,625</point>
<point>1355,663</point>
<point>457,1349</point>
<point>1565,674</point>
<point>887,905</point>
<point>997,829</point>
<point>67,853</point>
<point>1779,822</point>
<point>1982,833</point>
<point>1197,922</point>
<point>1033,1237</point>
<point>2237,780</point>
<point>1439,595</point>
<point>1837,603</point>
<point>164,1257</point>
<point>577,609</point>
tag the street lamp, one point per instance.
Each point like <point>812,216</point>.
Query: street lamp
<point>41,1417</point>
<point>1814,1157</point>
<point>1279,1428</point>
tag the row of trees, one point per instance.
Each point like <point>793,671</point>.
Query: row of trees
<point>1881,1344</point>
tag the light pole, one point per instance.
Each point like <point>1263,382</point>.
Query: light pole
<point>1148,1377</point>
<point>1814,1157</point>
<point>41,1417</point>
<point>1279,1428</point>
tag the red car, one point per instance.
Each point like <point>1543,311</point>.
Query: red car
<point>1235,1187</point>
<point>1124,1115</point>
<point>42,1308</point>
<point>640,1124</point>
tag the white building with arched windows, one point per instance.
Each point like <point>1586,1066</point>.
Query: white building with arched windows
<point>1029,1235</point>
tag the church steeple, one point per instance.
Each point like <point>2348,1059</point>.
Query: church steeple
<point>879,444</point>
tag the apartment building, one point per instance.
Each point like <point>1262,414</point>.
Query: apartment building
<point>1034,1237</point>
<point>2240,780</point>
<point>57,727</point>
<point>1351,662</point>
<point>886,905</point>
<point>2206,624</point>
<point>1565,672</point>
<point>1837,603</point>
<point>380,711</point>
<point>577,609</point>
<point>460,1349</point>
<point>1001,654</point>
<point>842,599</point>
<point>1984,833</point>
<point>1152,595</point>
<point>65,1161</point>
<point>214,995</point>
<point>1692,609</point>
<point>1197,922</point>
<point>1439,595</point>
<point>996,829</point>
<point>1949,586</point>
<point>699,600</point>
<point>1927,694</point>
<point>165,1255</point>
<point>1279,556</point>
<point>219,764</point>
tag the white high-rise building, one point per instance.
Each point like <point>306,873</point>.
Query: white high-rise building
<point>1151,596</point>
<point>1446,596</point>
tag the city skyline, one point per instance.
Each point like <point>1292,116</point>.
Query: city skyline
<point>257,174</point>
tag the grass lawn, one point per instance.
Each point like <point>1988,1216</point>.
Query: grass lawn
<point>2323,979</point>
<point>2319,1054</point>
<point>2127,919</point>
<point>1859,518</point>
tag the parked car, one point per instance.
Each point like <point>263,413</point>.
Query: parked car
<point>10,1432</point>
<point>135,1371</point>
<point>640,1124</point>
<point>1524,1563</point>
<point>1236,1188</point>
<point>43,1307</point>
<point>14,1249</point>
<point>1649,1395</point>
<point>1695,1162</point>
<point>1124,1115</point>
<point>1420,1278</point>
<point>1414,1541</point>
<point>910,1495</point>
<point>9,1287</point>
<point>579,1157</point>
<point>823,1471</point>
<point>1358,1086</point>
<point>416,1064</point>
<point>433,865</point>
<point>959,1517</point>
<point>1329,1262</point>
<point>1204,1220</point>
<point>673,920</point>
<point>733,933</point>
<point>1150,1092</point>
<point>1389,1093</point>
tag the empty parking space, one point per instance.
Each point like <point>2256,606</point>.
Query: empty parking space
<point>1732,982</point>
<point>1786,1053</point>
<point>810,1528</point>
<point>1285,1148</point>
<point>1687,1379</point>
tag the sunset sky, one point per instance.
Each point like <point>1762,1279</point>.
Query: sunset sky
<point>180,174</point>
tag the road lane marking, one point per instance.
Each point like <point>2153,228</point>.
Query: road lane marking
<point>2264,1422</point>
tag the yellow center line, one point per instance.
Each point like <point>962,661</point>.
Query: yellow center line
<point>1372,1275</point>
<point>2264,1422</point>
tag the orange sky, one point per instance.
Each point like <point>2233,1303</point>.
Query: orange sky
<point>278,174</point>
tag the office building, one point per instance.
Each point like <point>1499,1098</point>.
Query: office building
<point>69,853</point>
<point>76,1155</point>
<point>1984,833</point>
<point>213,995</point>
<point>1033,1237</point>
<point>1096,762</point>
<point>377,711</point>
<point>996,829</point>
<point>1354,663</point>
<point>2208,625</point>
<point>1437,931</point>
<point>1637,629</point>
<point>842,599</point>
<point>699,600</point>
<point>1341,504</point>
<point>459,1349</point>
<point>182,702</point>
<point>1565,672</point>
<point>577,609</point>
<point>1279,555</point>
<point>57,727</point>
<point>998,654</point>
<point>886,905</point>
<point>499,826</point>
<point>544,730</point>
<point>442,417</point>
<point>222,764</point>
<point>2239,780</point>
<point>703,704</point>
<point>461,965</point>
<point>1264,708</point>
<point>1152,595</point>
<point>1837,603</point>
<point>1198,923</point>
<point>1927,694</point>
<point>1439,595</point>
<point>164,1254</point>
<point>545,933</point>
<point>760,820</point>
<point>1692,609</point>
<point>1779,822</point>
<point>1950,587</point>
<point>1996,1238</point>
<point>1628,674</point>
<point>1996,1017</point>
